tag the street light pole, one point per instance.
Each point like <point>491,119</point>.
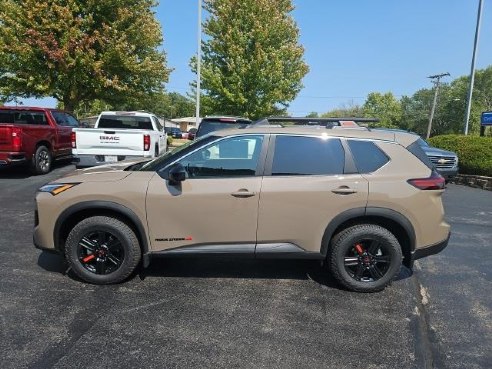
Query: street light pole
<point>436,79</point>
<point>472,72</point>
<point>198,63</point>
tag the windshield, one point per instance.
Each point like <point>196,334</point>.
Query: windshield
<point>207,126</point>
<point>421,142</point>
<point>161,161</point>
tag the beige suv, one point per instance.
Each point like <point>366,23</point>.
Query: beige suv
<point>364,201</point>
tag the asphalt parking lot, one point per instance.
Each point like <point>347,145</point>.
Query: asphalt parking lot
<point>187,313</point>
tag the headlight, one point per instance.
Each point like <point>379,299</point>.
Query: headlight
<point>56,188</point>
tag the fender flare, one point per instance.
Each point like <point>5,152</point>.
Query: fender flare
<point>386,213</point>
<point>103,205</point>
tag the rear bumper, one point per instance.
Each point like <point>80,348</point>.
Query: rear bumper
<point>85,161</point>
<point>430,250</point>
<point>12,158</point>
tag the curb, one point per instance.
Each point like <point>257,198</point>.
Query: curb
<point>483,182</point>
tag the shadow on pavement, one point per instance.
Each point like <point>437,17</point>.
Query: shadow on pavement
<point>51,262</point>
<point>24,171</point>
<point>188,267</point>
<point>238,268</point>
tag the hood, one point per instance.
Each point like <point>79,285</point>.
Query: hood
<point>102,173</point>
<point>434,151</point>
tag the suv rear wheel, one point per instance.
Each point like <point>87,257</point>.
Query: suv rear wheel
<point>365,257</point>
<point>102,250</point>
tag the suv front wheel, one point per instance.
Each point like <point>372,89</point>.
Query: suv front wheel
<point>365,257</point>
<point>102,250</point>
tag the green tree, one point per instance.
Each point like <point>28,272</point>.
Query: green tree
<point>350,109</point>
<point>386,107</point>
<point>168,105</point>
<point>80,50</point>
<point>252,61</point>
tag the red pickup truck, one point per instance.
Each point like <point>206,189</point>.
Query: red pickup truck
<point>35,136</point>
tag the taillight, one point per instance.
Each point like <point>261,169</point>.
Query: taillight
<point>73,138</point>
<point>146,139</point>
<point>16,139</point>
<point>434,182</point>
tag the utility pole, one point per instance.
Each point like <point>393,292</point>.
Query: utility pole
<point>436,79</point>
<point>198,63</point>
<point>472,72</point>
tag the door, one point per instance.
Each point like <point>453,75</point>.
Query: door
<point>161,137</point>
<point>306,185</point>
<point>64,125</point>
<point>216,205</point>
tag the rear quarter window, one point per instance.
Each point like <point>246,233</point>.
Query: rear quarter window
<point>417,151</point>
<point>367,156</point>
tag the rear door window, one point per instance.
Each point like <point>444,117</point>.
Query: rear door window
<point>299,155</point>
<point>64,120</point>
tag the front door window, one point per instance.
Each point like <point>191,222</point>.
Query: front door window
<point>229,157</point>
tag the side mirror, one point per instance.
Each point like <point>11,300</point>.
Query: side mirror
<point>177,174</point>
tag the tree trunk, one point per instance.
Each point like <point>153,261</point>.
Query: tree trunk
<point>69,104</point>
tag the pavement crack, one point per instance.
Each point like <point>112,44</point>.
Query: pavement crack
<point>426,343</point>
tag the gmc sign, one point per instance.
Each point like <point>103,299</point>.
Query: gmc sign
<point>109,138</point>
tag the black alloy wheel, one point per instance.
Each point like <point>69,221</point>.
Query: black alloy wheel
<point>103,250</point>
<point>367,261</point>
<point>100,252</point>
<point>364,257</point>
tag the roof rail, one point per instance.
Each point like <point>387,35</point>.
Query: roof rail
<point>349,122</point>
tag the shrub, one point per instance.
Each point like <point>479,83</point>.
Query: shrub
<point>169,140</point>
<point>474,153</point>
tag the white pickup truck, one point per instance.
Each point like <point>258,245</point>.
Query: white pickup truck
<point>118,136</point>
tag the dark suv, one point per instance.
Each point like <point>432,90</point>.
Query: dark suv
<point>211,124</point>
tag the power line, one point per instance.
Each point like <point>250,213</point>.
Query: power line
<point>436,79</point>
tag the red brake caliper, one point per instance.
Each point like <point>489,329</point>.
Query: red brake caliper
<point>88,258</point>
<point>360,250</point>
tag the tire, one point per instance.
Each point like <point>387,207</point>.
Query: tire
<point>102,250</point>
<point>364,258</point>
<point>42,160</point>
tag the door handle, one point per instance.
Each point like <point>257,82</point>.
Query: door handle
<point>243,192</point>
<point>344,190</point>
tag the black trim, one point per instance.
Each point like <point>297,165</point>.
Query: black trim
<point>335,223</point>
<point>430,250</point>
<point>398,218</point>
<point>42,248</point>
<point>103,205</point>
<point>368,212</point>
<point>349,167</point>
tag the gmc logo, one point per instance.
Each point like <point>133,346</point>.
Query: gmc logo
<point>109,138</point>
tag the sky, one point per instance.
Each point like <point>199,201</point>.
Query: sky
<point>353,47</point>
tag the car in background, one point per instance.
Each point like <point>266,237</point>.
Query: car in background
<point>211,124</point>
<point>35,136</point>
<point>118,136</point>
<point>446,162</point>
<point>192,133</point>
<point>174,132</point>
